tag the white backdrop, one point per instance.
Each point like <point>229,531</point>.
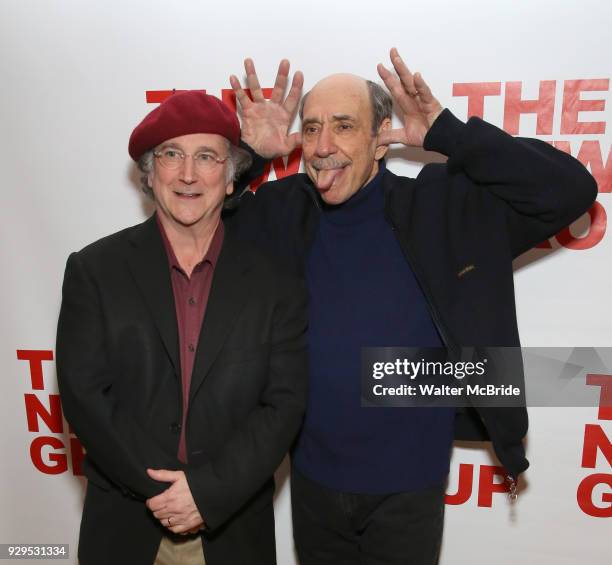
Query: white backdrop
<point>74,81</point>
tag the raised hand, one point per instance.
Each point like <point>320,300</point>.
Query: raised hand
<point>265,123</point>
<point>414,98</point>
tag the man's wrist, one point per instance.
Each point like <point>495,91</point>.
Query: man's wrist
<point>433,117</point>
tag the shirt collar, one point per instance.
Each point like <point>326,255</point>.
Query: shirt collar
<point>211,256</point>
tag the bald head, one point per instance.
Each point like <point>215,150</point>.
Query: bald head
<point>349,85</point>
<point>342,80</point>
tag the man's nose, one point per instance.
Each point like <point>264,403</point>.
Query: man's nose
<point>187,170</point>
<point>325,143</point>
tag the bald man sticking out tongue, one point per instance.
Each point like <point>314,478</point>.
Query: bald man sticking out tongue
<point>395,261</point>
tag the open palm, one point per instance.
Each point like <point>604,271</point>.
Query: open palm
<point>266,123</point>
<point>414,98</point>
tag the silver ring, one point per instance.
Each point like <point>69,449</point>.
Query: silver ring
<point>169,518</point>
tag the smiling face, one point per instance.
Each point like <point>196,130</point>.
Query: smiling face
<point>339,151</point>
<point>183,196</point>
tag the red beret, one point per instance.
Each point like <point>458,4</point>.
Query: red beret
<point>182,113</point>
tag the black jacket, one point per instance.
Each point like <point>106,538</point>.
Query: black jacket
<point>460,225</point>
<point>118,370</point>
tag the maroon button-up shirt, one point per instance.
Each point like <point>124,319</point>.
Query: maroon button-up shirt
<point>190,300</point>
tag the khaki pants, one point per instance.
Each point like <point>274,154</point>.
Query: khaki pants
<point>180,551</point>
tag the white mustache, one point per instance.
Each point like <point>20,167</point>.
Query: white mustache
<point>328,163</point>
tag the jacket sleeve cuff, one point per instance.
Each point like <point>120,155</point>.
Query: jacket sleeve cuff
<point>257,168</point>
<point>443,135</point>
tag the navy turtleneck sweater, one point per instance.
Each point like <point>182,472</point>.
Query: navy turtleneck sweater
<point>363,293</point>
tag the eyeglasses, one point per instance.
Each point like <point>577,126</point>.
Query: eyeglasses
<point>203,161</point>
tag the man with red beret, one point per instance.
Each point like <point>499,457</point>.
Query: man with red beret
<point>181,360</point>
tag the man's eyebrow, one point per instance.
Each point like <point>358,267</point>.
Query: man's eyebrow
<point>343,118</point>
<point>197,150</point>
<point>335,118</point>
<point>206,148</point>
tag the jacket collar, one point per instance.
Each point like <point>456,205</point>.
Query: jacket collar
<point>148,264</point>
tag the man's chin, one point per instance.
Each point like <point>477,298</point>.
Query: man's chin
<point>333,196</point>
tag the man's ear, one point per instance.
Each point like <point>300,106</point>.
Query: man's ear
<point>381,150</point>
<point>150,179</point>
<point>229,188</point>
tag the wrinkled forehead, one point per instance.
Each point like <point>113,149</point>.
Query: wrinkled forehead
<point>338,95</point>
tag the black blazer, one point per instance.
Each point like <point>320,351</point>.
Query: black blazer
<point>119,380</point>
<point>459,224</point>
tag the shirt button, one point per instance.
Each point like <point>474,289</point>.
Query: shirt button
<point>191,301</point>
<point>191,347</point>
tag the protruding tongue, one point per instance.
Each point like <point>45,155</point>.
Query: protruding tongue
<point>325,178</point>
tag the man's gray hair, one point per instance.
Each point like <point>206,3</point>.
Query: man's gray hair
<point>238,161</point>
<point>380,100</point>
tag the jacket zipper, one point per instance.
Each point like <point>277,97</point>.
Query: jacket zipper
<point>512,489</point>
<point>405,247</point>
